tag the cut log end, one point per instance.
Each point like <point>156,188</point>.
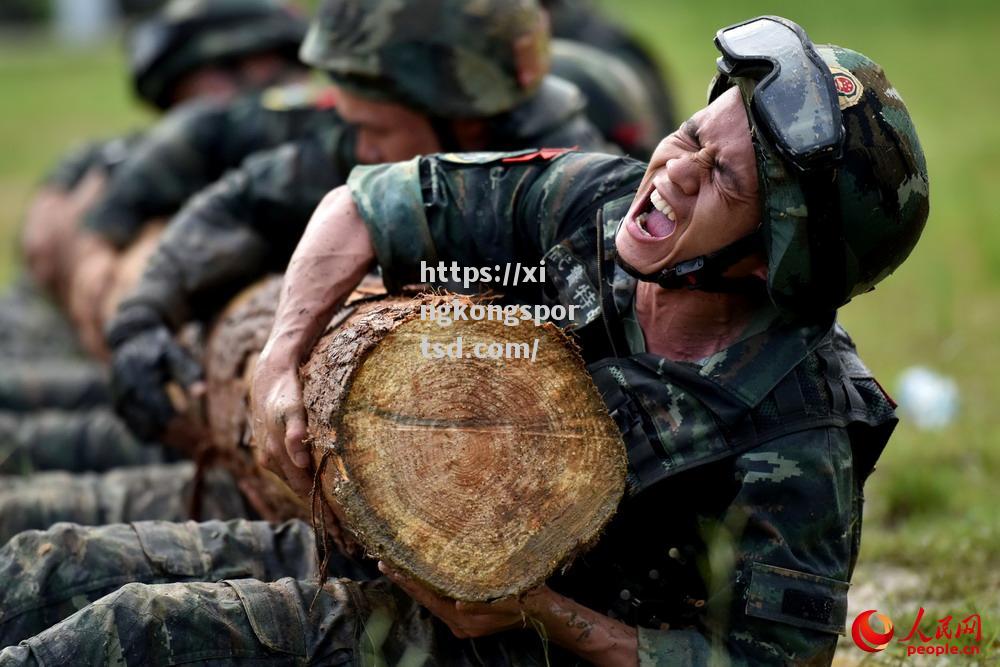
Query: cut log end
<point>477,476</point>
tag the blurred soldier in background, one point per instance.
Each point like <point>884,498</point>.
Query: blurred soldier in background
<point>448,79</point>
<point>186,52</point>
<point>611,83</point>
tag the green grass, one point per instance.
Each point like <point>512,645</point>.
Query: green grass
<point>931,503</point>
<point>53,98</point>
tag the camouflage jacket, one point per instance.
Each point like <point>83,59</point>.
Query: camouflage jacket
<point>105,155</point>
<point>248,223</point>
<point>193,146</point>
<point>741,525</point>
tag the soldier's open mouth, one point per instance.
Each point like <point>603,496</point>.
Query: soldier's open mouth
<point>656,218</point>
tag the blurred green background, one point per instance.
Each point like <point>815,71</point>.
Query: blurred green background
<point>932,534</point>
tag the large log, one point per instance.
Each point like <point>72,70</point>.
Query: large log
<point>230,352</point>
<point>234,342</point>
<point>478,477</point>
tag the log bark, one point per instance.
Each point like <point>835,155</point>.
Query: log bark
<point>233,344</point>
<point>477,477</point>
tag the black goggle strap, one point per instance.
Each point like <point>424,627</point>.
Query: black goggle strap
<point>706,271</point>
<point>827,248</point>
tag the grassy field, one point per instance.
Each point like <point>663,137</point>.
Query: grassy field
<point>932,535</point>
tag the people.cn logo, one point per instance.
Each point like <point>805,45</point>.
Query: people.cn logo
<point>868,638</point>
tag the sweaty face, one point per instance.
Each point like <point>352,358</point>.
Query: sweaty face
<point>387,132</point>
<point>699,193</point>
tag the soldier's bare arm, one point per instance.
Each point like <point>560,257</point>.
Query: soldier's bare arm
<point>333,256</point>
<point>588,634</point>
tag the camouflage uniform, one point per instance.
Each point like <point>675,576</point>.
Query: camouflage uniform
<point>45,368</point>
<point>81,440</point>
<point>181,37</point>
<point>255,215</point>
<point>169,492</point>
<point>53,573</point>
<point>31,325</point>
<point>195,145</point>
<point>453,60</point>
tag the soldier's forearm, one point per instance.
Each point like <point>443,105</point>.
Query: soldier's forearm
<point>588,634</point>
<point>331,259</point>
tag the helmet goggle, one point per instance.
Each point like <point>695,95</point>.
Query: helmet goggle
<point>794,100</point>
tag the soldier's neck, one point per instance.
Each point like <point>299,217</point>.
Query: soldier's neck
<point>688,325</point>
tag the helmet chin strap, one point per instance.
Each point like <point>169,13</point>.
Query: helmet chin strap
<point>705,272</point>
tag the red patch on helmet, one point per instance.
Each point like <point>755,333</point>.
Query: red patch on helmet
<point>542,154</point>
<point>844,84</point>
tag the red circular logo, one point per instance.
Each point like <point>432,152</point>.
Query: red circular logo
<point>868,638</point>
<point>844,84</point>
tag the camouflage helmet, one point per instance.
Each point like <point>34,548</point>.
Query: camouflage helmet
<point>187,34</point>
<point>879,186</point>
<point>448,58</point>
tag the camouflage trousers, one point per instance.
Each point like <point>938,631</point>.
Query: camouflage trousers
<point>164,492</point>
<point>54,402</point>
<point>284,622</point>
<point>49,575</point>
<point>31,327</point>
<point>60,384</point>
<point>92,440</point>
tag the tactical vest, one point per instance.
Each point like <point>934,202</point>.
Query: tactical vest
<point>680,424</point>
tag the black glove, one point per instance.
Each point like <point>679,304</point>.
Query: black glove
<point>145,358</point>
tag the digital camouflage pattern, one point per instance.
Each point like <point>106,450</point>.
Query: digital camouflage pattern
<point>284,622</point>
<point>619,103</point>
<point>51,574</point>
<point>185,35</point>
<point>93,440</point>
<point>194,145</point>
<point>154,492</point>
<point>248,224</point>
<point>447,58</point>
<point>883,197</point>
